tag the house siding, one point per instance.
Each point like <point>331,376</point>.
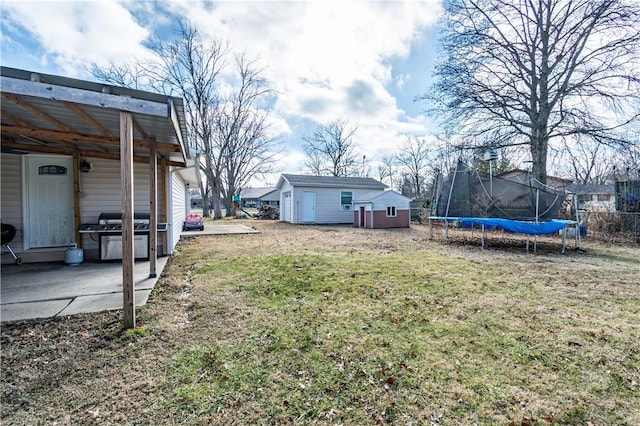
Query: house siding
<point>11,205</point>
<point>100,192</point>
<point>178,211</point>
<point>390,199</point>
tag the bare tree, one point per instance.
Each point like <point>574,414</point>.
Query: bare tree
<point>414,159</point>
<point>331,151</point>
<point>591,162</point>
<point>242,134</point>
<point>387,169</point>
<point>529,73</point>
<point>627,164</point>
<point>230,134</point>
<point>187,67</point>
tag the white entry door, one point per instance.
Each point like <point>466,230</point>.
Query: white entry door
<point>48,201</point>
<point>286,207</point>
<point>308,206</point>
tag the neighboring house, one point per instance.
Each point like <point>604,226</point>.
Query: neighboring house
<point>593,197</point>
<point>69,147</point>
<point>386,209</point>
<point>524,177</point>
<point>256,197</point>
<point>322,199</point>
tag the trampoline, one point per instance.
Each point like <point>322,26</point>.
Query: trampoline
<point>471,198</point>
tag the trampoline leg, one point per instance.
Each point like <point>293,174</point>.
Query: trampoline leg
<point>446,231</point>
<point>527,243</point>
<point>564,239</point>
<point>535,245</point>
<point>483,235</point>
<point>430,230</point>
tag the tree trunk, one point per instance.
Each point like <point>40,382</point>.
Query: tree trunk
<point>539,147</point>
<point>205,205</point>
<point>215,194</point>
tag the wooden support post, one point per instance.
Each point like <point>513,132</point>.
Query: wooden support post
<point>126,176</point>
<point>76,199</point>
<point>153,210</point>
<point>164,203</point>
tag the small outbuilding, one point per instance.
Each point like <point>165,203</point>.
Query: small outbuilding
<point>386,209</point>
<point>257,197</point>
<point>322,199</point>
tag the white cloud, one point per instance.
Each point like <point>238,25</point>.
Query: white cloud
<point>78,33</point>
<point>328,60</point>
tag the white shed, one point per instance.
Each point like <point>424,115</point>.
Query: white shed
<point>322,199</point>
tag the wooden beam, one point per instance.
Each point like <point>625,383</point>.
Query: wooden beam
<point>140,130</point>
<point>14,119</point>
<point>75,108</point>
<point>126,175</point>
<point>82,96</point>
<point>36,111</point>
<point>72,144</point>
<point>78,137</point>
<point>153,211</point>
<point>70,151</point>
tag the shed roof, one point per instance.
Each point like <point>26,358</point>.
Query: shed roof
<point>372,196</point>
<point>331,181</point>
<point>591,189</point>
<point>60,115</point>
<point>249,193</point>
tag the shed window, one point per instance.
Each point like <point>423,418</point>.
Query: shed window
<point>391,211</point>
<point>346,198</point>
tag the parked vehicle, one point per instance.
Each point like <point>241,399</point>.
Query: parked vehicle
<point>193,221</point>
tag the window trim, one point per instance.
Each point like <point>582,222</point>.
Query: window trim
<point>393,210</point>
<point>343,206</point>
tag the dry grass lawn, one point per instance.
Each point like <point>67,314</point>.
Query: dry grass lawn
<point>336,325</point>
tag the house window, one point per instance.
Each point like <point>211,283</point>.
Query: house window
<point>346,198</point>
<point>391,211</point>
<point>603,197</point>
<point>52,170</point>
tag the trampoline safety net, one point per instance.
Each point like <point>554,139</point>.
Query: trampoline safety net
<point>466,192</point>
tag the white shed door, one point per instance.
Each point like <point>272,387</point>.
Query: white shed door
<point>49,201</point>
<point>308,207</point>
<point>286,207</point>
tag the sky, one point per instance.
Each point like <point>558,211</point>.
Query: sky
<point>360,61</point>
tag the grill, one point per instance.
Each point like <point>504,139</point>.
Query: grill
<point>109,230</point>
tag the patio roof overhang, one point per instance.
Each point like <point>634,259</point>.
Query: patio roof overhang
<point>59,115</point>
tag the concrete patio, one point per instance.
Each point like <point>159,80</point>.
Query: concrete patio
<point>45,290</point>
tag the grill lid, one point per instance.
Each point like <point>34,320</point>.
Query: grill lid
<point>116,218</point>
